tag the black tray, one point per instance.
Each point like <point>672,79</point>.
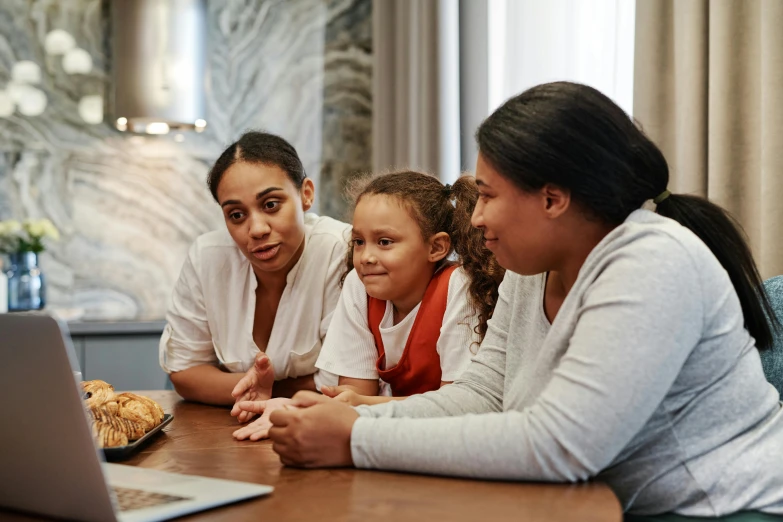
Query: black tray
<point>123,452</point>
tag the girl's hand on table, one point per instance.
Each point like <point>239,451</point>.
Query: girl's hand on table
<point>343,394</point>
<point>259,428</point>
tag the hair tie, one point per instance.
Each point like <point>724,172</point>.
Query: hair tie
<point>662,196</point>
<point>447,189</point>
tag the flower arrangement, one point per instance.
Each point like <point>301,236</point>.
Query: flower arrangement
<point>27,236</point>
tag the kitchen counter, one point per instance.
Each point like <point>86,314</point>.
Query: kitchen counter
<point>89,328</point>
<point>123,353</point>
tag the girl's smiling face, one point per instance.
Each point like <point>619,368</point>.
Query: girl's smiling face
<point>390,255</point>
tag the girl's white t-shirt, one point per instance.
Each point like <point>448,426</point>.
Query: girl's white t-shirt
<point>210,319</point>
<point>349,348</point>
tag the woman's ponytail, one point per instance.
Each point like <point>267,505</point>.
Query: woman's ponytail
<point>723,235</point>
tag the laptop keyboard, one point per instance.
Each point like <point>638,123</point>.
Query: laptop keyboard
<point>128,498</point>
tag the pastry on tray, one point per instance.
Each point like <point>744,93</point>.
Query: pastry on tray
<point>119,418</point>
<point>140,409</point>
<point>97,392</point>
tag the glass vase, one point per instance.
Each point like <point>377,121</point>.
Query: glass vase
<point>26,283</point>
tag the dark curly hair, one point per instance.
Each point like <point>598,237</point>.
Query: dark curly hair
<point>437,208</point>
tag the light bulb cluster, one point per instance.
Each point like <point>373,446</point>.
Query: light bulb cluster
<point>22,94</point>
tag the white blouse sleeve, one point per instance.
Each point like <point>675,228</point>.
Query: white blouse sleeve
<point>332,289</point>
<point>457,342</point>
<point>349,348</point>
<point>332,294</point>
<point>186,341</point>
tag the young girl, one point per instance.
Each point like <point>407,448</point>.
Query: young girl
<point>623,347</point>
<point>410,312</point>
<point>257,296</point>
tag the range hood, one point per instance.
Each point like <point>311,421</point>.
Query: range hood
<point>159,64</point>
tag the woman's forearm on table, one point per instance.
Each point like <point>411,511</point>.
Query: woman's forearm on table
<point>206,383</point>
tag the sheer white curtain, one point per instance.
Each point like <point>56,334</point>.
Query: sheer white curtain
<point>529,42</point>
<point>587,41</point>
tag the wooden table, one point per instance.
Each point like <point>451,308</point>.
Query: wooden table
<point>198,441</point>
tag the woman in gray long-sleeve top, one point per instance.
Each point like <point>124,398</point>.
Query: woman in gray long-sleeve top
<point>624,345</point>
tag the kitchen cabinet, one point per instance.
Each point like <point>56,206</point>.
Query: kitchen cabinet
<point>124,354</point>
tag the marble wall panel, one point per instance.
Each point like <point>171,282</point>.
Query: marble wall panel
<point>129,206</point>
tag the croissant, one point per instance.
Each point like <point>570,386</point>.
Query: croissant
<point>97,392</point>
<point>107,436</point>
<point>143,405</point>
<point>119,418</point>
<point>135,410</point>
<point>132,430</point>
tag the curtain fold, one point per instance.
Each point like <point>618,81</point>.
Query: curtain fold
<point>416,86</point>
<point>708,89</point>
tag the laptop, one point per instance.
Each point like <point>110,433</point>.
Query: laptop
<point>49,463</point>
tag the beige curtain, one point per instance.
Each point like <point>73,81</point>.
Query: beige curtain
<point>708,89</point>
<point>416,86</point>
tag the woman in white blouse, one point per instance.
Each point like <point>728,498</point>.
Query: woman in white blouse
<point>264,289</point>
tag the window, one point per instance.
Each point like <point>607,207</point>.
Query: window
<point>507,46</point>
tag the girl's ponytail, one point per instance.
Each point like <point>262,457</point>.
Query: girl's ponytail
<point>479,263</point>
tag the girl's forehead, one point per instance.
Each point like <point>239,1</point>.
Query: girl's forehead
<point>374,210</point>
